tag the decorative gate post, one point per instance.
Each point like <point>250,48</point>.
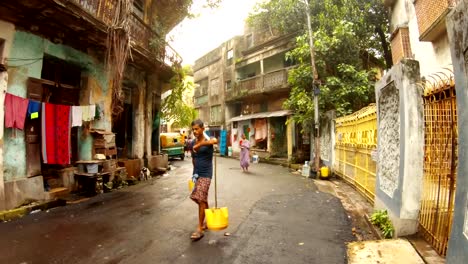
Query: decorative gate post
<point>400,146</point>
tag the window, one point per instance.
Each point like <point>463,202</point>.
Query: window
<point>229,57</point>
<point>201,87</point>
<point>215,114</point>
<point>228,85</point>
<point>214,87</point>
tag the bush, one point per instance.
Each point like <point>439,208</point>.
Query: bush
<point>381,220</point>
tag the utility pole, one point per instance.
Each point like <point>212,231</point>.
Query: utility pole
<point>315,90</point>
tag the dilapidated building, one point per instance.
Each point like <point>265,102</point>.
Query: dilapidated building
<point>241,87</point>
<point>109,56</point>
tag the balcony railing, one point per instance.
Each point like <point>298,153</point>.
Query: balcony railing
<point>141,33</point>
<point>253,84</point>
<point>431,17</point>
<point>276,79</point>
<point>259,84</point>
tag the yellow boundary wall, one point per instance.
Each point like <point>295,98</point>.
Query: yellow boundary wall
<point>355,149</point>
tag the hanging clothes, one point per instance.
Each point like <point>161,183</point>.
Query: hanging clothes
<point>85,110</point>
<point>33,109</point>
<point>260,129</point>
<point>56,145</point>
<point>15,111</point>
<point>77,116</point>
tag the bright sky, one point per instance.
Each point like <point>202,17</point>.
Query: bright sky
<point>193,38</point>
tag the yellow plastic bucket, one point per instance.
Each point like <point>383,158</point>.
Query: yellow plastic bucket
<point>324,172</point>
<point>191,184</point>
<point>217,218</point>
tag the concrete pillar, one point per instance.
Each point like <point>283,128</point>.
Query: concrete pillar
<point>269,143</point>
<point>148,124</point>
<point>138,139</point>
<point>400,146</point>
<point>3,88</point>
<point>289,135</point>
<point>458,36</point>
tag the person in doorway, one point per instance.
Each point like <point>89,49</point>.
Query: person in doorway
<point>244,154</point>
<point>202,159</point>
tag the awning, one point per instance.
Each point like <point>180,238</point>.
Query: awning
<point>261,115</point>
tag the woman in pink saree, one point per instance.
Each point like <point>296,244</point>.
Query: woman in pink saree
<point>244,153</point>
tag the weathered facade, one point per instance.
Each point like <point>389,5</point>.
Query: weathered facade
<point>242,85</point>
<point>55,52</point>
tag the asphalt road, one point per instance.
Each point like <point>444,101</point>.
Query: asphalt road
<point>275,217</point>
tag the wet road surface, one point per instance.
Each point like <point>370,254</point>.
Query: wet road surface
<point>275,217</point>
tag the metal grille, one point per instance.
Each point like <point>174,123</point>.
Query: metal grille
<point>440,161</point>
<point>355,148</point>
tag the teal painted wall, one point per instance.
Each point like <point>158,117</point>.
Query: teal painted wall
<point>25,60</point>
<point>85,146</point>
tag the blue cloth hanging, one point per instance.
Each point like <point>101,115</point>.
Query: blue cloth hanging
<point>33,109</point>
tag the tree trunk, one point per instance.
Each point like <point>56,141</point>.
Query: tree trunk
<point>385,46</point>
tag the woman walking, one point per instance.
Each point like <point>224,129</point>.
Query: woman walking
<point>244,154</point>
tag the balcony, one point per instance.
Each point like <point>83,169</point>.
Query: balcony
<point>431,17</point>
<point>141,33</point>
<point>84,24</point>
<point>265,83</point>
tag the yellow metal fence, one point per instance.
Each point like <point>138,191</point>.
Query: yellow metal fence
<point>440,161</point>
<point>356,143</point>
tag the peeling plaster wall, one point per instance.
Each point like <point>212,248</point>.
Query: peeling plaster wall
<point>29,46</point>
<point>458,35</point>
<point>3,88</point>
<point>400,146</point>
<point>326,133</point>
<point>7,31</point>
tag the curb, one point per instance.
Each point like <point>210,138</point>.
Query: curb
<point>18,213</point>
<point>376,231</point>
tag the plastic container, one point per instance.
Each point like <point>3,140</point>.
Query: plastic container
<point>255,159</point>
<point>324,172</point>
<point>92,168</point>
<point>229,151</point>
<point>217,218</point>
<point>191,184</point>
<point>306,169</point>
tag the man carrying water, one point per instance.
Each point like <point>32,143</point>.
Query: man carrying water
<point>202,159</point>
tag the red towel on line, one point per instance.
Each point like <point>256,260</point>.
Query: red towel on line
<point>56,146</point>
<point>15,111</point>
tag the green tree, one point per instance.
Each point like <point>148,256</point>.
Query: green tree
<point>348,50</point>
<point>175,107</point>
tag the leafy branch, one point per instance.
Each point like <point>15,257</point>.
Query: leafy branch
<point>176,106</point>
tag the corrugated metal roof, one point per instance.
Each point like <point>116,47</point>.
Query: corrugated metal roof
<point>261,115</point>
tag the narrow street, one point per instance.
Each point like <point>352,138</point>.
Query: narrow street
<point>275,217</point>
